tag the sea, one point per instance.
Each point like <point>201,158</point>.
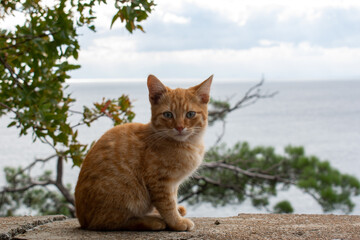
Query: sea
<point>322,116</point>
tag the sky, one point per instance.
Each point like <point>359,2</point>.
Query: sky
<point>232,39</point>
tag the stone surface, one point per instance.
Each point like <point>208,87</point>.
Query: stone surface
<point>244,226</point>
<point>12,226</point>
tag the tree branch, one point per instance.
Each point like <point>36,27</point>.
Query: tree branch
<point>250,97</point>
<point>186,197</point>
<point>89,121</point>
<point>218,183</point>
<point>211,181</point>
<point>13,75</point>
<point>31,165</point>
<point>9,108</point>
<point>212,165</point>
<point>27,39</point>
<point>222,134</point>
<point>31,185</point>
<point>59,184</point>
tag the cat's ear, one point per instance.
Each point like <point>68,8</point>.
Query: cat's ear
<point>156,89</point>
<point>203,90</point>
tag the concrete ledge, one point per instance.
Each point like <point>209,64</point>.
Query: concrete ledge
<point>12,226</point>
<point>244,226</point>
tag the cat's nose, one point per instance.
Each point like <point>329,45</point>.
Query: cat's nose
<point>179,129</point>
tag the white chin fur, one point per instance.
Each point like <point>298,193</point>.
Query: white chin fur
<point>181,138</point>
<point>174,134</point>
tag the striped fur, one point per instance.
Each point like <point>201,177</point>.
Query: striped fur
<point>130,177</point>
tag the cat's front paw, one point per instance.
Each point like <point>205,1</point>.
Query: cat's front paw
<point>184,224</point>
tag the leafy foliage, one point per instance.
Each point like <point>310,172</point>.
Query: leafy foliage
<point>231,175</point>
<point>131,12</point>
<point>35,59</point>
<point>35,63</point>
<point>283,207</point>
<point>44,201</point>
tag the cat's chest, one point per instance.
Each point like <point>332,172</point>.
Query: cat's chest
<point>179,162</point>
<point>187,157</point>
<point>184,162</point>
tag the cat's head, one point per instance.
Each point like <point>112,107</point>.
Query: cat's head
<point>179,114</point>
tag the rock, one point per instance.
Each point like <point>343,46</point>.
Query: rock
<point>12,226</point>
<point>243,226</point>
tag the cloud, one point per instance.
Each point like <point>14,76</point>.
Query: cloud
<point>166,12</point>
<point>277,60</point>
<point>172,18</point>
<point>234,39</point>
<point>333,28</point>
<point>240,11</point>
<point>197,24</point>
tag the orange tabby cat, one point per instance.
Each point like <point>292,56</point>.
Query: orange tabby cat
<point>134,168</point>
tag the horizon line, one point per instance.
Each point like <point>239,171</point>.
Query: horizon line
<point>220,80</point>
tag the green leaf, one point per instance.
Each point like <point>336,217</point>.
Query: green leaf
<point>116,16</point>
<point>140,27</point>
<point>12,124</point>
<point>283,207</point>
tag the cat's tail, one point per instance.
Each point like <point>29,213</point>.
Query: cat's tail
<point>182,210</point>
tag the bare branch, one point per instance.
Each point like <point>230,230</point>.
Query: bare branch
<point>316,198</point>
<point>31,165</point>
<point>27,187</point>
<point>76,112</point>
<point>59,184</point>
<point>89,121</point>
<point>59,170</point>
<point>222,134</point>
<point>45,140</point>
<point>32,182</point>
<point>191,194</point>
<point>211,181</point>
<point>35,183</point>
<point>238,170</point>
<point>218,183</point>
<point>250,97</point>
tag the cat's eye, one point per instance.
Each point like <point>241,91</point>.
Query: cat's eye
<point>190,114</point>
<point>168,114</point>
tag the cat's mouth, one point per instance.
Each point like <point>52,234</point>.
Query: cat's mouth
<point>182,136</point>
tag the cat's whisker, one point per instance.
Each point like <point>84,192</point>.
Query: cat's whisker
<point>155,136</point>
